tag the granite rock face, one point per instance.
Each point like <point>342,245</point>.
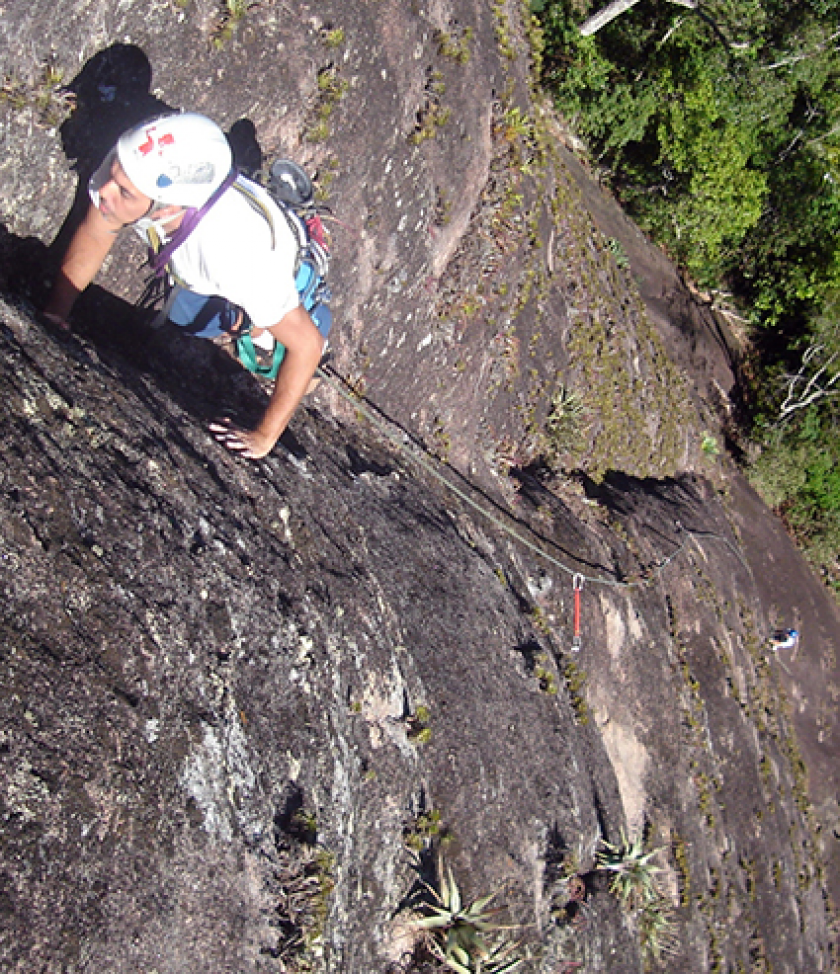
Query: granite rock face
<point>245,708</point>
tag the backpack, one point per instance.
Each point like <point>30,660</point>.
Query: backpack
<point>291,189</point>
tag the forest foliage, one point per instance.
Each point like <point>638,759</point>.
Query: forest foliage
<point>719,127</point>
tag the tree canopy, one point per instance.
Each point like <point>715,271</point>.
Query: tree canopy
<point>720,129</point>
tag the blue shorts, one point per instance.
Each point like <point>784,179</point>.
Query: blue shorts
<point>205,317</point>
<point>208,317</point>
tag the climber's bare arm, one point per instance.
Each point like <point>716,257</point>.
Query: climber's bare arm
<point>304,344</point>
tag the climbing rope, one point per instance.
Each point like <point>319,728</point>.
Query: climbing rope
<point>402,442</point>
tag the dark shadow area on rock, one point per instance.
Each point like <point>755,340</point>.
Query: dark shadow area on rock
<point>247,154</point>
<point>360,465</point>
<point>109,95</point>
<point>197,375</point>
<point>616,564</point>
<point>492,510</point>
<point>531,653</point>
<point>26,267</point>
<point>658,506</point>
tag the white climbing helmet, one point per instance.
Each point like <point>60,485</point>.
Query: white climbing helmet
<point>176,160</point>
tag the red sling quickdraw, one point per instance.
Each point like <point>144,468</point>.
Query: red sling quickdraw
<point>577,585</point>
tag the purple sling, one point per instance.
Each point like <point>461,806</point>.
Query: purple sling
<point>192,218</point>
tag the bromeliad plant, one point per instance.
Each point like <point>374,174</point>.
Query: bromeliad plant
<point>657,929</point>
<point>633,871</point>
<point>459,932</point>
<point>634,882</point>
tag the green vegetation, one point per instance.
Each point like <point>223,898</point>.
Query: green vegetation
<point>45,96</point>
<point>333,37</point>
<point>616,248</point>
<point>304,826</point>
<point>516,124</point>
<point>305,879</point>
<point>422,832</point>
<point>455,45</point>
<point>331,89</point>
<point>419,730</point>
<point>710,122</point>
<point>633,870</point>
<point>545,675</point>
<point>563,425</point>
<point>720,130</point>
<point>441,439</point>
<point>709,445</point>
<point>575,683</point>
<point>429,120</point>
<point>230,15</point>
<point>325,178</point>
<point>798,428</point>
<point>460,931</point>
<point>657,928</point>
<point>432,114</point>
<point>504,36</point>
<point>680,851</point>
<point>635,883</point>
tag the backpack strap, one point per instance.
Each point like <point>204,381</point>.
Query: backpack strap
<point>259,205</point>
<point>159,256</point>
<point>308,232</point>
<point>161,317</point>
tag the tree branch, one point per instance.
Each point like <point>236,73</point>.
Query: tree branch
<point>800,398</point>
<point>796,58</point>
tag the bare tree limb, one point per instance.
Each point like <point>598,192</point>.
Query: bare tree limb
<point>796,58</point>
<point>819,138</point>
<point>805,390</point>
<point>604,16</point>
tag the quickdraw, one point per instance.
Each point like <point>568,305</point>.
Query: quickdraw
<point>577,585</point>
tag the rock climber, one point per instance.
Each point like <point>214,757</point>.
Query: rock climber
<point>233,254</point>
<point>784,639</point>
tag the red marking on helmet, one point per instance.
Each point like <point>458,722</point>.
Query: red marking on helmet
<point>146,147</point>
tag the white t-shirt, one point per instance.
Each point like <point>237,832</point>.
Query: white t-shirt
<point>231,253</point>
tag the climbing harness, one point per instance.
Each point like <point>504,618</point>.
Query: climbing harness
<point>249,358</point>
<point>577,586</point>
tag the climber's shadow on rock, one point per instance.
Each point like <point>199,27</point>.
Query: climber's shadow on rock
<point>110,94</point>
